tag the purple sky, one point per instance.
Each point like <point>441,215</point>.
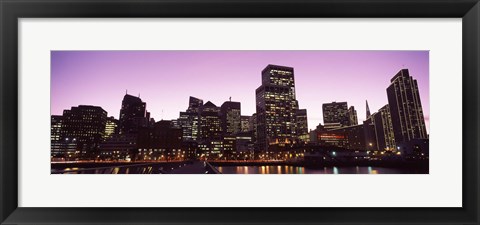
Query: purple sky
<point>165,79</point>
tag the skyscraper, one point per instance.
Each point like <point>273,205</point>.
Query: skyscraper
<point>85,124</point>
<point>210,122</point>
<point>383,129</point>
<point>335,115</point>
<point>352,113</point>
<point>110,127</point>
<point>302,126</point>
<point>190,119</point>
<point>406,108</point>
<point>230,113</point>
<point>132,114</point>
<point>56,127</point>
<point>276,107</point>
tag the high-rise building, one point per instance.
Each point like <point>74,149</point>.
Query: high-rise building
<point>132,114</point>
<point>86,125</point>
<point>335,113</point>
<point>110,127</point>
<point>352,113</point>
<point>210,122</point>
<point>406,108</point>
<point>189,120</point>
<point>368,109</point>
<point>276,107</point>
<point>253,127</point>
<point>245,123</point>
<point>383,129</point>
<point>56,127</point>
<point>231,117</point>
<point>302,126</point>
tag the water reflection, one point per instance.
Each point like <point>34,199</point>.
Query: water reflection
<point>277,169</point>
<point>303,170</point>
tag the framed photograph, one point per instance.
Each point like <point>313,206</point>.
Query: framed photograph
<point>252,112</point>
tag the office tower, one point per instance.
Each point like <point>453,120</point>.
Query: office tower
<point>383,129</point>
<point>406,108</point>
<point>86,125</point>
<point>230,114</point>
<point>163,141</point>
<point>276,107</point>
<point>368,109</point>
<point>210,122</point>
<point>132,114</point>
<point>55,127</point>
<point>110,127</point>
<point>302,126</point>
<point>335,115</point>
<point>189,120</point>
<point>245,123</point>
<point>352,113</point>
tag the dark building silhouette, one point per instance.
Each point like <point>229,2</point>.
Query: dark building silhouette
<point>352,114</point>
<point>253,127</point>
<point>189,120</point>
<point>335,115</point>
<point>370,135</point>
<point>231,117</point>
<point>302,126</point>
<point>132,114</point>
<point>406,108</point>
<point>276,107</point>
<point>161,142</point>
<point>86,125</point>
<point>383,129</point>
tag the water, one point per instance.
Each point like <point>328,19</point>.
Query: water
<point>280,169</point>
<point>325,170</point>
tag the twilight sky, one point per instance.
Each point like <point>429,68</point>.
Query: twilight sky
<point>166,79</point>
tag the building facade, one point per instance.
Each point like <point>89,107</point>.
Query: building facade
<point>245,123</point>
<point>336,113</point>
<point>352,114</point>
<point>86,125</point>
<point>231,118</point>
<point>302,126</point>
<point>133,115</point>
<point>189,120</point>
<point>383,129</point>
<point>276,107</point>
<point>111,127</point>
<point>406,108</point>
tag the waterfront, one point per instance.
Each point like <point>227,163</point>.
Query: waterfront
<point>201,168</point>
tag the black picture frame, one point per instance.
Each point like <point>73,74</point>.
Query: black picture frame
<point>12,10</point>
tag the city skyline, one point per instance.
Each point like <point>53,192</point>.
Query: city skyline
<point>166,79</point>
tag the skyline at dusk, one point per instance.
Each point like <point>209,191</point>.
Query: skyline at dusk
<point>166,79</point>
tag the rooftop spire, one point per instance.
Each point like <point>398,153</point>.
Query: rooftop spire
<point>368,109</point>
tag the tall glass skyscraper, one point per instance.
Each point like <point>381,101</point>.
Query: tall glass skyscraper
<point>276,107</point>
